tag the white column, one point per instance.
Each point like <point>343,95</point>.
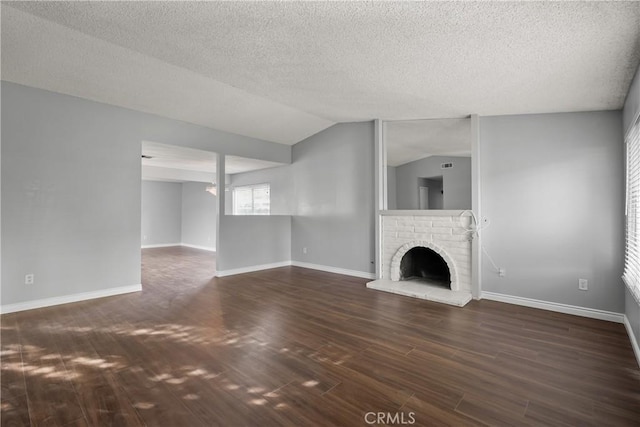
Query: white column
<point>380,174</point>
<point>476,206</point>
<point>220,190</point>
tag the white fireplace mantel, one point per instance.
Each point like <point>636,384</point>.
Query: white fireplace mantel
<point>431,212</point>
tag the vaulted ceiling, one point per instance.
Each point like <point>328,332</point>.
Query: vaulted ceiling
<point>282,71</point>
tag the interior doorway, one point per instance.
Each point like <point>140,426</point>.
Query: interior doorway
<point>178,209</point>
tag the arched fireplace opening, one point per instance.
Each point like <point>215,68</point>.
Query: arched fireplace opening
<point>424,264</point>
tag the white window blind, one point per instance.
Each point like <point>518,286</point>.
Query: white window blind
<point>631,275</point>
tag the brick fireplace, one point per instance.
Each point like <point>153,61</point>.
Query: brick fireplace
<point>446,233</point>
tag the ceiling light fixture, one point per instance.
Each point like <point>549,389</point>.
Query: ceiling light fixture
<point>213,189</point>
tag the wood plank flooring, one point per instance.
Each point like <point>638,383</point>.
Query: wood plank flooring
<point>297,347</point>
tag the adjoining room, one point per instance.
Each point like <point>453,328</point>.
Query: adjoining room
<point>180,198</point>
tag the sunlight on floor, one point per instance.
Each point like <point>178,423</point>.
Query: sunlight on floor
<point>191,397</point>
<point>100,363</point>
<point>144,405</point>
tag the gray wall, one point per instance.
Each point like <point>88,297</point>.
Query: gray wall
<point>161,213</point>
<point>333,187</point>
<point>71,189</point>
<point>630,113</point>
<point>71,196</point>
<point>252,240</point>
<point>279,179</point>
<point>552,186</point>
<point>456,181</point>
<point>198,215</point>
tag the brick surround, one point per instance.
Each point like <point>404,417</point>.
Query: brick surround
<point>445,232</point>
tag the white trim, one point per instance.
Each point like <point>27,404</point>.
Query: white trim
<point>251,268</point>
<point>204,248</point>
<point>66,299</point>
<point>380,169</point>
<point>476,207</point>
<point>557,307</point>
<point>187,245</point>
<point>632,338</point>
<point>162,245</point>
<point>337,270</point>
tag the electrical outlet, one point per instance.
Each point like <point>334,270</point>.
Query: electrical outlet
<point>583,284</point>
<point>304,250</point>
<point>29,279</point>
<point>502,272</point>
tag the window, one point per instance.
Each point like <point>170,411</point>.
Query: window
<point>252,200</point>
<point>631,273</point>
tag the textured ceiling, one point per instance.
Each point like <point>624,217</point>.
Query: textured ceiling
<point>285,70</point>
<point>43,54</point>
<point>416,139</point>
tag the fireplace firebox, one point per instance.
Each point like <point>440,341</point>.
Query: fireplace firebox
<point>424,264</point>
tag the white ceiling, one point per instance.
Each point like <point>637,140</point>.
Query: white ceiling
<point>172,163</point>
<point>282,71</point>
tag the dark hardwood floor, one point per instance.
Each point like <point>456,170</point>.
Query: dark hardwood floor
<point>296,347</point>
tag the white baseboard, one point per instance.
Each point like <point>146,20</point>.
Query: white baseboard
<point>187,245</point>
<point>632,338</point>
<point>162,245</point>
<point>251,268</point>
<point>326,268</point>
<point>557,307</point>
<point>337,270</point>
<point>66,299</point>
<point>204,248</point>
